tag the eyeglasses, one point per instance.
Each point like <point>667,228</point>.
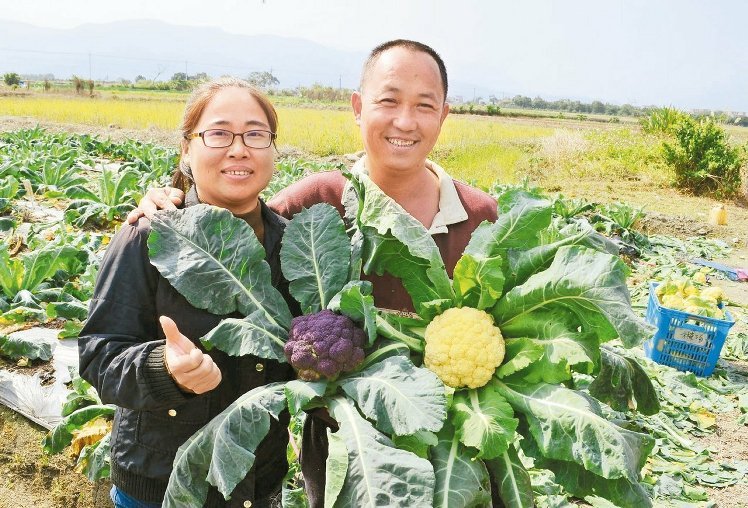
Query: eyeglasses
<point>221,138</point>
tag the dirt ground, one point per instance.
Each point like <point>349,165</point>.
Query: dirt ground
<point>29,478</point>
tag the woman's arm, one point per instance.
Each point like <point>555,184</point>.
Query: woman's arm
<point>119,350</point>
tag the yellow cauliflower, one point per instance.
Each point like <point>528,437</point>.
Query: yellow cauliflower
<point>713,293</point>
<point>463,347</point>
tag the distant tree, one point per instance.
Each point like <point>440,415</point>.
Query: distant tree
<point>47,85</point>
<point>78,84</point>
<point>597,107</point>
<point>90,85</point>
<point>139,78</point>
<point>627,110</point>
<point>11,79</point>
<point>263,79</point>
<point>539,103</point>
<point>180,81</point>
<point>522,102</point>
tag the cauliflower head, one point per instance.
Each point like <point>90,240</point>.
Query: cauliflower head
<point>324,344</point>
<point>463,347</point>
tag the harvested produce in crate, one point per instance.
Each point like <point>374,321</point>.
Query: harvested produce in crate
<point>683,295</point>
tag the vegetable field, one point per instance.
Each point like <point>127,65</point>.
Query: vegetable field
<point>573,413</point>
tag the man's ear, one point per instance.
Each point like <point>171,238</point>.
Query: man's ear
<point>356,105</point>
<point>445,112</point>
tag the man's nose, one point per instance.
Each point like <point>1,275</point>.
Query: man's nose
<point>405,119</point>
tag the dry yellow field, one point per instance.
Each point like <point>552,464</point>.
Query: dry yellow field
<point>477,149</point>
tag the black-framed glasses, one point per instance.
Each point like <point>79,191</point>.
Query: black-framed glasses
<point>221,138</point>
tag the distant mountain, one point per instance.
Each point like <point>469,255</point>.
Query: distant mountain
<point>125,49</point>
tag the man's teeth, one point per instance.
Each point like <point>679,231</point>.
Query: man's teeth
<point>401,142</point>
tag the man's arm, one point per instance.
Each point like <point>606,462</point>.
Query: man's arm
<point>323,187</point>
<point>166,198</point>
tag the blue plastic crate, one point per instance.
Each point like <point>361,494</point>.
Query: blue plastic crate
<point>687,342</point>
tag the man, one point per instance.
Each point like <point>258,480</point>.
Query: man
<point>400,109</point>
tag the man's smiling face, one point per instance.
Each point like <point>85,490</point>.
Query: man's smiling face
<point>400,109</point>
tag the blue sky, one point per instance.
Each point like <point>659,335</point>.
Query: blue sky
<point>685,53</point>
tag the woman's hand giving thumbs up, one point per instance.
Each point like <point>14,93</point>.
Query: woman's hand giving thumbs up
<point>192,370</point>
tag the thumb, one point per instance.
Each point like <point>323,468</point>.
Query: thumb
<point>174,338</point>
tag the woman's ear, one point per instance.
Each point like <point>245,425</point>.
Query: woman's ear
<point>185,152</point>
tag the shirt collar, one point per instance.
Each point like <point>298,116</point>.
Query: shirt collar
<point>451,211</point>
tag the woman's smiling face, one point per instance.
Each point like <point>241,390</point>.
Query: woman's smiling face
<point>232,177</point>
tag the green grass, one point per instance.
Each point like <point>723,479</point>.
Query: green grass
<point>480,150</point>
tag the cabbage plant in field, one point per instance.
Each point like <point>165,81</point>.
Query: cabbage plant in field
<point>217,263</point>
<point>550,306</point>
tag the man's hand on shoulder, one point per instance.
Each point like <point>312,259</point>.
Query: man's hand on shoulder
<point>166,198</point>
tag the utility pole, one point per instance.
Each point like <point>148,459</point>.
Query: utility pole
<point>340,82</point>
<point>185,70</point>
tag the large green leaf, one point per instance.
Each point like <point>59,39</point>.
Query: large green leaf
<point>395,242</point>
<point>378,473</point>
<point>61,435</point>
<point>419,443</point>
<point>623,384</point>
<point>216,262</point>
<point>27,272</point>
<point>461,481</point>
<point>560,353</point>
<point>516,227</point>
<point>336,467</point>
<point>479,277</point>
<point>72,309</point>
<point>253,335</point>
<point>400,397</point>
<point>582,282</point>
<point>568,425</point>
<point>581,483</point>
<point>94,459</point>
<point>522,263</point>
<point>117,187</point>
<point>356,301</point>
<point>316,256</point>
<point>222,453</point>
<point>484,420</point>
<point>519,355</point>
<point>512,480</point>
<point>301,394</point>
<point>478,281</point>
<point>17,347</point>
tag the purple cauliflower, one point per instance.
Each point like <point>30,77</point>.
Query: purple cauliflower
<point>324,345</point>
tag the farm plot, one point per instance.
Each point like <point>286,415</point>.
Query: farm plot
<point>61,196</point>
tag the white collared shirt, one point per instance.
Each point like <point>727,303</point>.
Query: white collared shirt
<point>450,210</point>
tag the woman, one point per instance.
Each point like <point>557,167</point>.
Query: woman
<point>165,385</point>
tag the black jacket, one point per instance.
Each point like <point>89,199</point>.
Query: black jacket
<point>121,350</point>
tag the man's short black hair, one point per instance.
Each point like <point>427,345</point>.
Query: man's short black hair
<point>407,44</point>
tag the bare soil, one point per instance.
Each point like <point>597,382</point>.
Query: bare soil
<point>28,478</point>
